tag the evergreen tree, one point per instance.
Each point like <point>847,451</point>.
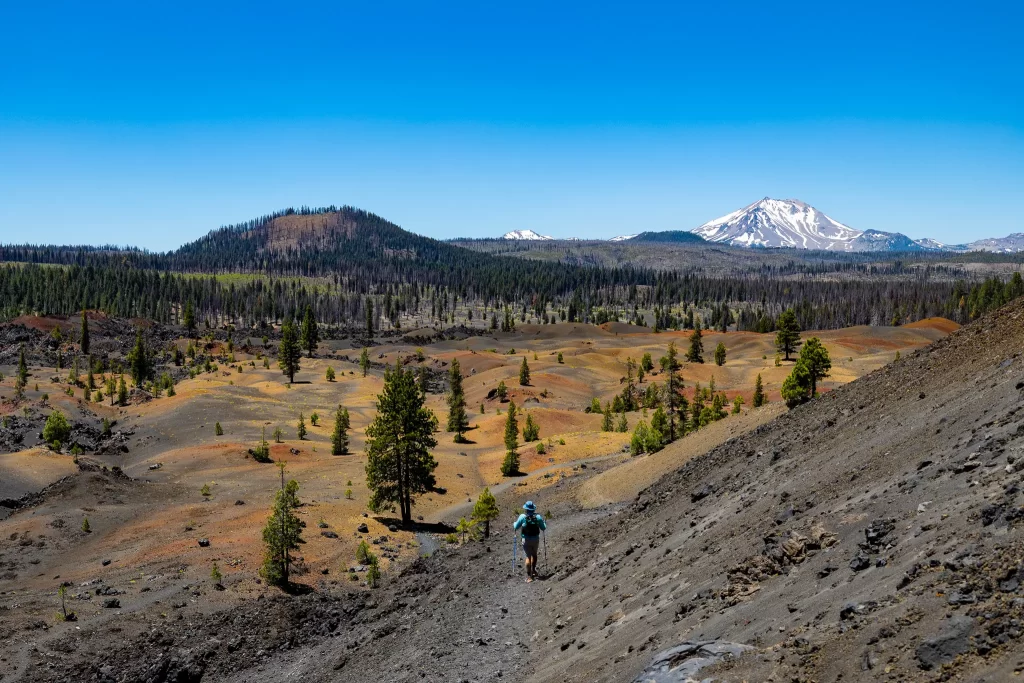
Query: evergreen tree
<point>364,361</point>
<point>524,373</point>
<point>696,352</point>
<point>622,425</point>
<point>606,420</point>
<point>289,354</point>
<point>310,332</point>
<point>531,430</point>
<point>122,392</point>
<point>398,441</point>
<point>188,320</point>
<point>641,437</point>
<point>510,465</point>
<point>281,535</point>
<point>674,401</point>
<point>56,431</point>
<point>486,510</point>
<point>647,363</point>
<point>422,379</point>
<point>139,363</point>
<point>759,397</point>
<point>329,374</point>
<point>22,366</point>
<point>815,355</point>
<point>339,438</point>
<point>796,388</point>
<point>300,430</point>
<point>787,336</point>
<point>720,354</point>
<point>458,420</point>
<point>369,318</point>
<point>85,334</point>
<point>660,432</point>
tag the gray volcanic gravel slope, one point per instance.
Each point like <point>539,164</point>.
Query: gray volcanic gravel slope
<point>876,533</point>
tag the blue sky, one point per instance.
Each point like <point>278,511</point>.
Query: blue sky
<point>150,124</point>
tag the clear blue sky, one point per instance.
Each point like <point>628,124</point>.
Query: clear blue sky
<point>152,123</point>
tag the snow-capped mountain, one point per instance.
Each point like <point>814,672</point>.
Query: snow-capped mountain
<point>524,235</point>
<point>1010,244</point>
<point>779,223</point>
<point>621,238</point>
<point>929,243</point>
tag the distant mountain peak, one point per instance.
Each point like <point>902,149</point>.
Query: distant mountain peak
<point>524,235</point>
<point>779,223</point>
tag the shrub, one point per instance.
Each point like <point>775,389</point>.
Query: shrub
<point>373,573</point>
<point>218,430</point>
<point>205,490</point>
<point>85,525</point>
<point>348,493</point>
<point>330,374</point>
<point>278,434</point>
<point>215,574</point>
<point>56,428</point>
<point>540,448</point>
<point>314,418</point>
<point>363,553</point>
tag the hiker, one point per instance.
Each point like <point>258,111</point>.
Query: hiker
<point>532,525</point>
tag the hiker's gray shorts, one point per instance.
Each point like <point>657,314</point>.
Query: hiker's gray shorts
<point>530,545</point>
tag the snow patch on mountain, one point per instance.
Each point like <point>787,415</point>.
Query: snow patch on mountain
<point>524,235</point>
<point>621,238</point>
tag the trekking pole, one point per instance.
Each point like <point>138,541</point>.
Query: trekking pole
<point>544,537</point>
<point>514,553</point>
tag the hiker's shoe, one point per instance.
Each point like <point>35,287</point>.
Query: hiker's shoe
<point>529,579</point>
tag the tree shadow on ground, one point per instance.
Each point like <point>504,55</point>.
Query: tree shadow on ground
<point>418,527</point>
<point>297,588</point>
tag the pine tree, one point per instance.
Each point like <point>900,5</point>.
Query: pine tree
<point>300,429</point>
<point>290,354</point>
<point>623,424</point>
<point>138,361</point>
<point>787,338</point>
<point>720,354</point>
<point>310,331</point>
<point>339,437</point>
<point>510,465</point>
<point>815,355</point>
<point>796,388</point>
<point>524,373</point>
<point>458,420</point>
<point>188,320</point>
<point>641,437</point>
<point>398,442</point>
<point>531,430</point>
<point>647,363</point>
<point>696,352</point>
<point>674,401</point>
<point>85,334</point>
<point>364,361</point>
<point>369,318</point>
<point>122,392</point>
<point>329,374</point>
<point>606,420</point>
<point>759,397</point>
<point>486,510</point>
<point>281,535</point>
<point>660,432</point>
<point>22,366</point>
<point>422,379</point>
